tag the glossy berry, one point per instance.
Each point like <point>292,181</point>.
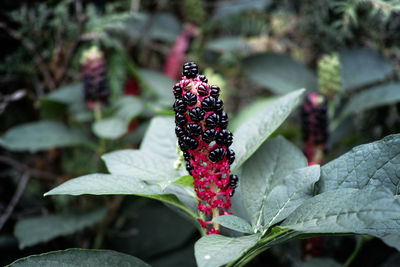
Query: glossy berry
<point>212,120</point>
<point>190,70</point>
<point>203,78</point>
<point>182,144</point>
<point>190,142</point>
<point>230,155</point>
<point>218,105</point>
<point>202,90</point>
<point>186,156</point>
<point>194,129</point>
<point>233,180</point>
<point>217,154</point>
<point>190,99</point>
<point>177,90</point>
<point>179,131</point>
<point>224,137</point>
<point>208,103</point>
<point>180,119</point>
<point>180,106</point>
<point>196,114</point>
<point>209,135</point>
<point>214,91</point>
<point>189,167</point>
<point>223,120</point>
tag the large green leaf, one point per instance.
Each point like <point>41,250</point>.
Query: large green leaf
<point>217,250</point>
<point>363,211</point>
<point>159,84</point>
<point>225,8</point>
<point>228,44</point>
<point>110,128</point>
<point>376,96</point>
<point>41,135</point>
<point>32,231</point>
<point>275,159</point>
<point>362,66</point>
<point>279,73</point>
<point>69,94</point>
<point>392,240</point>
<point>250,135</point>
<point>372,164</point>
<point>290,193</point>
<point>127,108</point>
<point>109,184</point>
<point>165,27</point>
<point>80,257</point>
<point>235,223</point>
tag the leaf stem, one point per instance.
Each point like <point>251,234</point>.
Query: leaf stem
<point>357,249</point>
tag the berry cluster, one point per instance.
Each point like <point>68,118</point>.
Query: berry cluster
<point>94,76</point>
<point>202,136</point>
<point>315,126</point>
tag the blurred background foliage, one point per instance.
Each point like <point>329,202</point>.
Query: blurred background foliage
<point>254,50</point>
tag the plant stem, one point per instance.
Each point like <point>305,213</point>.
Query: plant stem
<point>357,249</point>
<point>215,211</point>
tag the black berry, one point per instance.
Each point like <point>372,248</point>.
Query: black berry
<point>209,135</point>
<point>203,78</point>
<point>224,137</point>
<point>212,120</point>
<point>190,142</point>
<point>180,119</point>
<point>190,70</point>
<point>189,168</point>
<point>196,114</point>
<point>177,90</point>
<point>217,154</point>
<point>230,155</point>
<point>186,155</point>
<point>179,131</point>
<point>223,120</point>
<point>190,99</point>
<point>208,103</point>
<point>214,91</point>
<point>194,129</point>
<point>202,90</point>
<point>180,106</point>
<point>218,105</point>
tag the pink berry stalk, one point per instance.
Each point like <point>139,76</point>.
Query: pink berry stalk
<point>202,136</point>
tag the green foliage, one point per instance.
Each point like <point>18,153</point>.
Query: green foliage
<point>80,257</point>
<point>34,230</point>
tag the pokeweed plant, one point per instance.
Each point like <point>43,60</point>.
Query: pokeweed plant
<point>279,198</point>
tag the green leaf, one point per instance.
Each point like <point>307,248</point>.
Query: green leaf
<point>362,211</point>
<point>127,108</point>
<point>392,240</point>
<point>41,135</point>
<point>248,112</point>
<point>362,66</point>
<point>69,94</point>
<point>274,160</point>
<point>225,8</point>
<point>141,164</point>
<point>217,250</point>
<point>250,135</point>
<point>159,84</point>
<point>376,96</point>
<point>279,73</point>
<point>372,164</point>
<point>110,128</point>
<point>289,193</point>
<point>186,180</point>
<point>228,44</point>
<point>235,223</point>
<point>165,27</point>
<point>32,231</point>
<point>108,184</point>
<point>80,257</point>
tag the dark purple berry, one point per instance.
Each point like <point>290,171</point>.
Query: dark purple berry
<point>208,103</point>
<point>194,129</point>
<point>190,142</point>
<point>209,135</point>
<point>202,90</point>
<point>214,91</point>
<point>179,131</point>
<point>190,70</point>
<point>217,154</point>
<point>186,155</point>
<point>189,168</point>
<point>212,120</point>
<point>223,120</point>
<point>218,106</point>
<point>230,155</point>
<point>182,144</point>
<point>180,106</point>
<point>177,90</point>
<point>233,180</point>
<point>203,78</point>
<point>224,137</point>
<point>190,99</point>
<point>196,114</point>
<point>180,119</point>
